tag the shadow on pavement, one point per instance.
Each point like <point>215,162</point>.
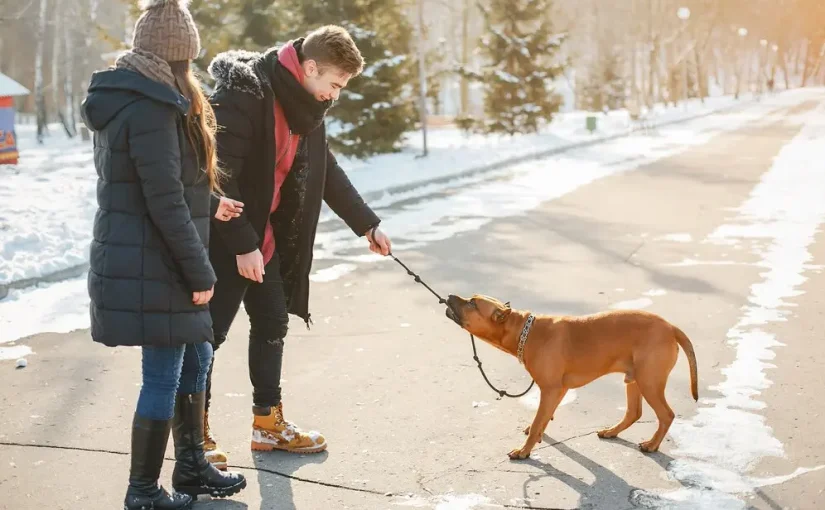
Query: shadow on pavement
<point>274,472</point>
<point>608,490</point>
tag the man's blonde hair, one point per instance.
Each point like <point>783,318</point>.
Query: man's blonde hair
<point>332,46</point>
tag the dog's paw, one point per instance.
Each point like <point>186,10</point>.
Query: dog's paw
<point>606,434</point>
<point>518,454</point>
<point>648,447</point>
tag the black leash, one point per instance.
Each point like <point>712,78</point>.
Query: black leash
<point>441,300</point>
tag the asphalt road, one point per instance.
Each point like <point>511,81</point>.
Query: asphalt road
<point>411,423</point>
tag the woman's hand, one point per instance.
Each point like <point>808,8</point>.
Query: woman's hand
<point>228,209</point>
<point>203,297</point>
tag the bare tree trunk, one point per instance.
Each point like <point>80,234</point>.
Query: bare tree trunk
<point>40,99</point>
<point>56,56</point>
<point>87,67</point>
<point>422,75</point>
<point>465,56</point>
<point>701,75</point>
<point>68,79</point>
<point>634,88</point>
<point>785,70</point>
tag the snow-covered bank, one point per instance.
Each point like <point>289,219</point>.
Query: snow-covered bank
<point>440,209</point>
<point>48,200</point>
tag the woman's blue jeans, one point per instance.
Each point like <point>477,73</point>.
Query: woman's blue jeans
<point>168,371</point>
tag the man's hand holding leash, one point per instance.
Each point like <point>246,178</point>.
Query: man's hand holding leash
<point>379,242</point>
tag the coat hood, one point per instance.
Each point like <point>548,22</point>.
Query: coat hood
<point>113,90</point>
<point>236,70</point>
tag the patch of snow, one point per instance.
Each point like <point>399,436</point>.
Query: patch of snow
<point>506,77</point>
<point>718,446</point>
<point>531,400</point>
<point>677,237</point>
<point>693,262</point>
<point>14,352</point>
<point>332,273</point>
<point>655,292</point>
<point>54,308</point>
<point>632,304</point>
<point>48,206</point>
<point>445,502</point>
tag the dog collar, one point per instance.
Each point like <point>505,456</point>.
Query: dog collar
<point>523,338</point>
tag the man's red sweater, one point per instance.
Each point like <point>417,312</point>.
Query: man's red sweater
<point>286,145</point>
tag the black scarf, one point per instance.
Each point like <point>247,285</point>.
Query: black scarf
<point>303,112</point>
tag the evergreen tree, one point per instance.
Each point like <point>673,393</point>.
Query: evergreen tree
<point>377,107</point>
<point>604,87</point>
<point>612,78</point>
<point>522,62</point>
<point>253,25</point>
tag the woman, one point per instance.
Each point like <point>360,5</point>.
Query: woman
<point>150,279</point>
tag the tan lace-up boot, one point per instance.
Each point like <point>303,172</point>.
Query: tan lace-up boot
<point>273,432</point>
<point>210,447</point>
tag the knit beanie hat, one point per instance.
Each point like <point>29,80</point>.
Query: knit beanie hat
<point>166,29</point>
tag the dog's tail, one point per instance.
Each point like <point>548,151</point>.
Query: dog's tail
<point>684,342</point>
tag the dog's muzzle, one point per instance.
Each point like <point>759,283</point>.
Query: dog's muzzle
<point>450,313</point>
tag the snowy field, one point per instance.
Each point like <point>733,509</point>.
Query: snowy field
<point>48,200</point>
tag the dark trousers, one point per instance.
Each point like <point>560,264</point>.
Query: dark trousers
<point>265,305</point>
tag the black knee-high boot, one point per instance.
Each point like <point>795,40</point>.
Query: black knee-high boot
<point>193,474</point>
<point>149,438</point>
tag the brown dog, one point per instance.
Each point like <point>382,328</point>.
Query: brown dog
<point>563,352</point>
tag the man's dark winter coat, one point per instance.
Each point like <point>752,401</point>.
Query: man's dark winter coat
<point>243,103</point>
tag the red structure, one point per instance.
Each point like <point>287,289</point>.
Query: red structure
<point>8,138</point>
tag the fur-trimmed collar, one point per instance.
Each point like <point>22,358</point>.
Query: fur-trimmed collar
<point>238,70</point>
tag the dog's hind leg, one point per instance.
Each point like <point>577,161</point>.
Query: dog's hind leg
<point>550,400</point>
<point>631,416</point>
<point>654,392</point>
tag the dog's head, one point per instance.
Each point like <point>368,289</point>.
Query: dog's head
<point>483,316</point>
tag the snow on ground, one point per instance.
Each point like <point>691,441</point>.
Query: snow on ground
<point>438,210</point>
<point>451,152</point>
<point>48,200</point>
<point>51,209</point>
<point>778,222</point>
<point>47,204</point>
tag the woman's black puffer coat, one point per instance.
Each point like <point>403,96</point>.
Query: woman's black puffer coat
<point>151,230</point>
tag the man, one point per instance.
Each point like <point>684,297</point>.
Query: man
<point>271,140</point>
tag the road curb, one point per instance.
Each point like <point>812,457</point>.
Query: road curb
<point>57,276</point>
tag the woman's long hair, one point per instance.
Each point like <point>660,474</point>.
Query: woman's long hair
<point>201,125</point>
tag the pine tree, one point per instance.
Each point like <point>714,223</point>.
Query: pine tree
<point>612,78</point>
<point>377,107</point>
<point>522,62</point>
<point>604,87</point>
<point>253,25</point>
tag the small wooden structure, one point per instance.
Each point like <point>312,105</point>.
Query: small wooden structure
<point>8,137</point>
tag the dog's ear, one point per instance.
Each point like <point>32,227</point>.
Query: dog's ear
<point>501,314</point>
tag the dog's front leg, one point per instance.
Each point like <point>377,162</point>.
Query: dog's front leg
<point>527,429</point>
<point>549,401</point>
